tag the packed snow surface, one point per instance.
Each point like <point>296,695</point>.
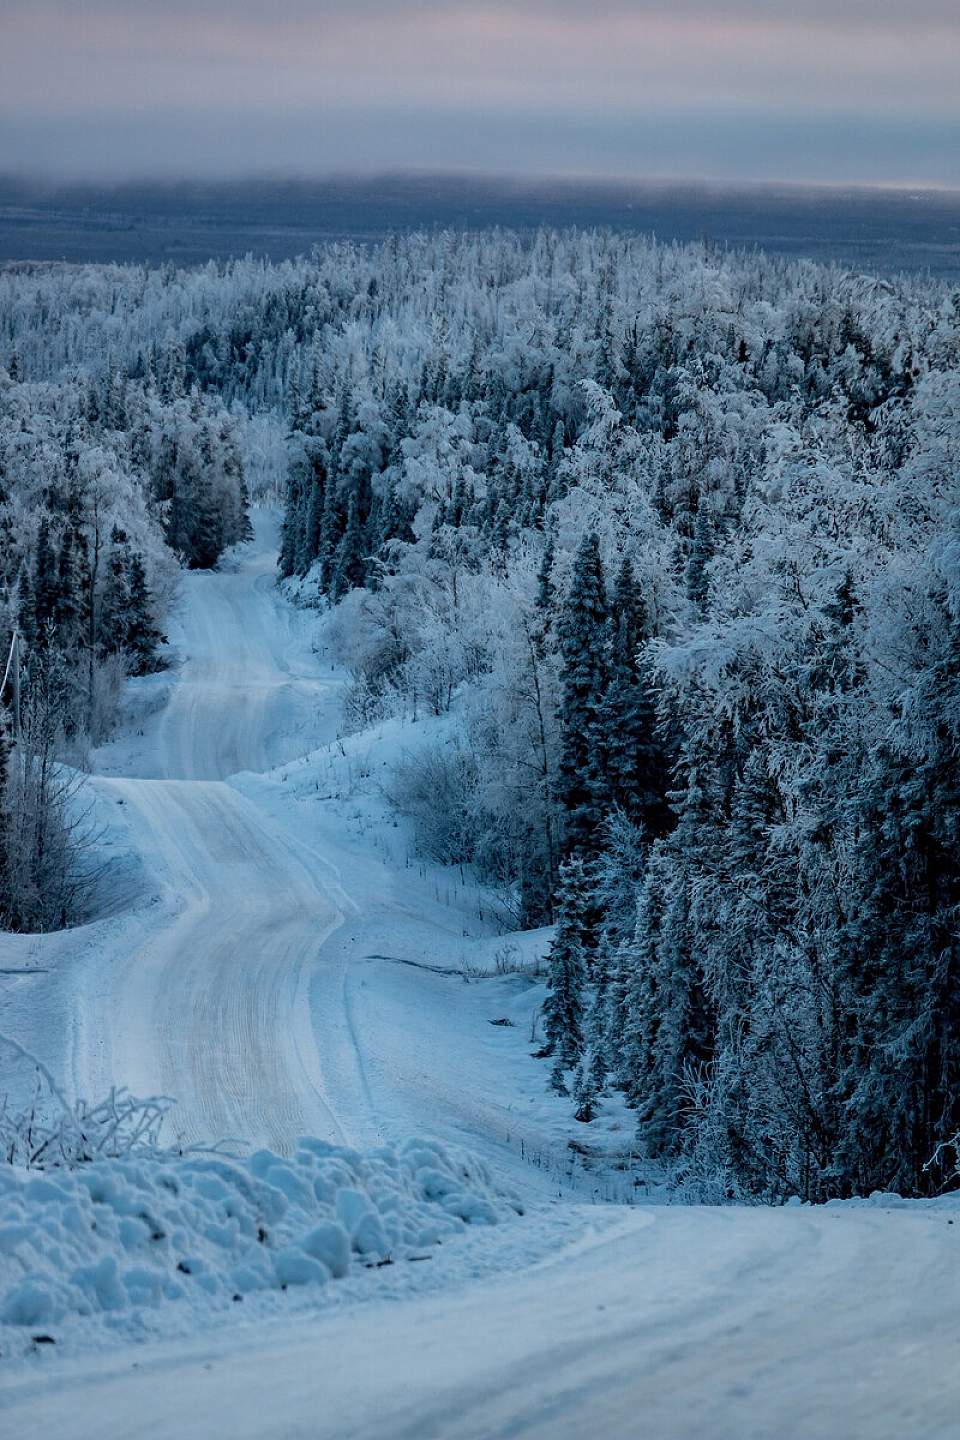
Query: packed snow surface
<point>677,1323</point>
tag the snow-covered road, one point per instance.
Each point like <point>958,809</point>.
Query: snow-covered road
<point>249,990</point>
<point>244,687</point>
<point>673,1324</point>
<point>215,1005</point>
<point>252,980</point>
<point>211,1003</point>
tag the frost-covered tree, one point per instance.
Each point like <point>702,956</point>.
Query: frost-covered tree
<point>563,1009</point>
<point>582,627</point>
<point>635,761</point>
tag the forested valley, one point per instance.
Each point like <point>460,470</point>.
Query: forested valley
<point>662,543</point>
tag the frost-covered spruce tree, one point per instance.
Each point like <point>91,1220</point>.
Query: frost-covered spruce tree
<point>682,1013</point>
<point>838,665</point>
<point>701,553</point>
<point>305,504</point>
<point>635,763</point>
<point>563,1008</point>
<point>760,1125</point>
<point>899,962</point>
<point>545,585</point>
<point>637,1004</point>
<point>582,631</point>
<point>142,637</point>
<point>293,526</point>
<point>332,525</point>
<point>614,878</point>
<point>309,545</point>
<point>584,1095</point>
<point>349,566</point>
<point>115,598</point>
<point>557,1078</point>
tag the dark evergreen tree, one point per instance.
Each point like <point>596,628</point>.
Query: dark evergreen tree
<point>309,547</point>
<point>701,553</point>
<point>66,605</point>
<point>545,585</point>
<point>349,568</point>
<point>115,599</point>
<point>389,522</point>
<point>205,531</point>
<point>332,526</point>
<point>582,630</point>
<point>681,1024</point>
<point>838,669</point>
<point>899,952</point>
<point>292,531</point>
<point>634,1005</point>
<point>635,763</point>
<point>563,1009</point>
<point>44,584</point>
<point>584,1095</point>
<point>142,637</point>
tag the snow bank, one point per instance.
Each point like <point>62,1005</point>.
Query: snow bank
<point>120,1234</point>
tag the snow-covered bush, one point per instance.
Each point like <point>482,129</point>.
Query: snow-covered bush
<point>117,1126</point>
<point>436,789</point>
<point>47,1132</point>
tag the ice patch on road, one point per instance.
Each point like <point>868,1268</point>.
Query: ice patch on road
<point>113,1237</point>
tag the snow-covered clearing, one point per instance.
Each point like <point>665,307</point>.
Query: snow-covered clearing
<point>269,955</point>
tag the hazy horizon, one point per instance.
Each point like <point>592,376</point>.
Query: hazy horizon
<point>51,179</point>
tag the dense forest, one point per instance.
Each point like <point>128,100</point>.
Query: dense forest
<point>664,546</point>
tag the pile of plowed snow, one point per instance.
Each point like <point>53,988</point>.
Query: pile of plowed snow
<point>117,1235</point>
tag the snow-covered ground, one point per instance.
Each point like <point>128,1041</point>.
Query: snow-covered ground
<point>678,1324</point>
<point>269,953</point>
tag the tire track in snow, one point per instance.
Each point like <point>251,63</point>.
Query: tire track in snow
<point>216,1004</point>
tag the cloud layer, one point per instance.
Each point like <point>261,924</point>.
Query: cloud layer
<point>740,88</point>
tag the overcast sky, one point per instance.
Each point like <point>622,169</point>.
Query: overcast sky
<point>850,90</point>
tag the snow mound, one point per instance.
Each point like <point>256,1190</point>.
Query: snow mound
<point>116,1235</point>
